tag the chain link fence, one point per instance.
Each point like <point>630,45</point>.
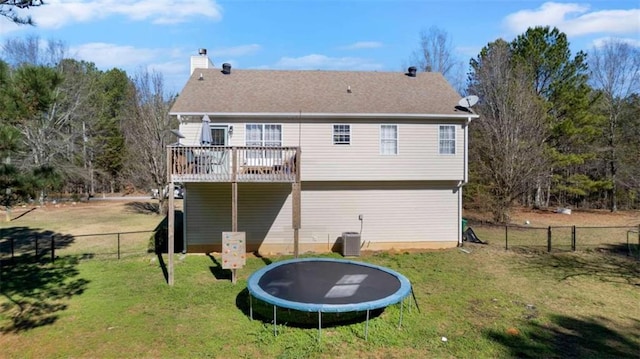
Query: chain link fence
<point>617,239</point>
<point>48,245</point>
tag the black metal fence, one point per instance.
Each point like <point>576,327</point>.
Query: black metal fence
<point>621,239</point>
<point>47,246</point>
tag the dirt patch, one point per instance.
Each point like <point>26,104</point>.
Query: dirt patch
<point>543,218</point>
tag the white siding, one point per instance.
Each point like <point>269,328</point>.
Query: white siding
<point>417,160</point>
<point>264,212</point>
<point>208,212</point>
<point>393,212</point>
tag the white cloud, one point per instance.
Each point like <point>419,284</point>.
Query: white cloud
<point>241,50</point>
<point>58,13</point>
<point>574,19</point>
<point>599,42</point>
<point>171,63</point>
<point>107,56</point>
<point>322,62</point>
<point>362,45</point>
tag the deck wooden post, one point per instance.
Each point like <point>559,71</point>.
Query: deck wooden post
<point>171,243</point>
<point>296,205</point>
<point>234,190</point>
<point>234,206</point>
<point>170,221</point>
<point>295,197</point>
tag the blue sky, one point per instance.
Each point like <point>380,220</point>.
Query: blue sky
<point>376,35</point>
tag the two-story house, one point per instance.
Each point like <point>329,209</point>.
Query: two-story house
<point>296,158</point>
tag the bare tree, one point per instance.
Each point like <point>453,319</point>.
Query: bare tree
<point>147,132</point>
<point>436,54</point>
<point>615,72</point>
<point>8,10</point>
<point>507,145</point>
<point>34,51</point>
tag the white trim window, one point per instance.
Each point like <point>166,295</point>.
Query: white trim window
<point>447,140</point>
<point>263,135</point>
<point>341,134</point>
<point>388,140</point>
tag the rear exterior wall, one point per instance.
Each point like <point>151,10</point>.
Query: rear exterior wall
<point>417,158</point>
<point>395,214</point>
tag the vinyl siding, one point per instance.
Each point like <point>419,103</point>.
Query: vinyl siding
<point>417,158</point>
<point>264,212</point>
<point>393,212</point>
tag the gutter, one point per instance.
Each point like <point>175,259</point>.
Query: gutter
<point>465,175</point>
<point>328,115</point>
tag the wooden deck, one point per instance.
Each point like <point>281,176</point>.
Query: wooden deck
<point>233,164</point>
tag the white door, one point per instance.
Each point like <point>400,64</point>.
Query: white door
<point>220,156</point>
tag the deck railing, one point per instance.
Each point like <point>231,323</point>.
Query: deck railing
<point>233,164</point>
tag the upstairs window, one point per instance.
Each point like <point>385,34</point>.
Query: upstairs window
<point>262,135</point>
<point>388,139</point>
<point>447,140</point>
<point>341,134</point>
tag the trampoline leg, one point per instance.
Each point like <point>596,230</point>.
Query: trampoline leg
<point>366,327</point>
<point>319,326</point>
<point>401,310</point>
<point>250,306</point>
<point>275,325</point>
<point>413,294</point>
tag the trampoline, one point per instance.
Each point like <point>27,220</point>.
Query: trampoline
<point>326,285</point>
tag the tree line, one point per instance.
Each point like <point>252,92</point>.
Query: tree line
<point>555,128</point>
<point>67,127</point>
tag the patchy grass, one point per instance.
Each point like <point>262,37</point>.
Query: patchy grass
<point>488,303</point>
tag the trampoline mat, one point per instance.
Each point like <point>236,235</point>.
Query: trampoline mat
<point>328,282</point>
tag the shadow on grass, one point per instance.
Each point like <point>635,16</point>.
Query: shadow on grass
<point>24,213</point>
<point>569,338</point>
<point>163,266</point>
<point>16,241</point>
<point>35,291</point>
<point>263,312</point>
<point>264,259</point>
<point>143,207</point>
<point>159,242</point>
<point>630,250</point>
<point>218,271</point>
<point>605,267</point>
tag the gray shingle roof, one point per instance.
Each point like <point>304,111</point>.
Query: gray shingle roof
<point>320,92</point>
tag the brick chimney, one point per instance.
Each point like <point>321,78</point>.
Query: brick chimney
<point>201,61</point>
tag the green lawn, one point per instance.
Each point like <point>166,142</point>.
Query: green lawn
<point>488,303</point>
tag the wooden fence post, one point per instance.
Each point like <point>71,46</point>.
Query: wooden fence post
<point>506,237</point>
<point>573,238</point>
<point>549,239</point>
<point>53,248</point>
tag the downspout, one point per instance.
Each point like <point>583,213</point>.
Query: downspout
<point>465,177</point>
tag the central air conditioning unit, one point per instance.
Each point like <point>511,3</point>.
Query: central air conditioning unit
<point>350,244</point>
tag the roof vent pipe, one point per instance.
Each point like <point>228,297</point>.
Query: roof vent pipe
<point>226,68</point>
<point>202,52</point>
<point>412,71</point>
